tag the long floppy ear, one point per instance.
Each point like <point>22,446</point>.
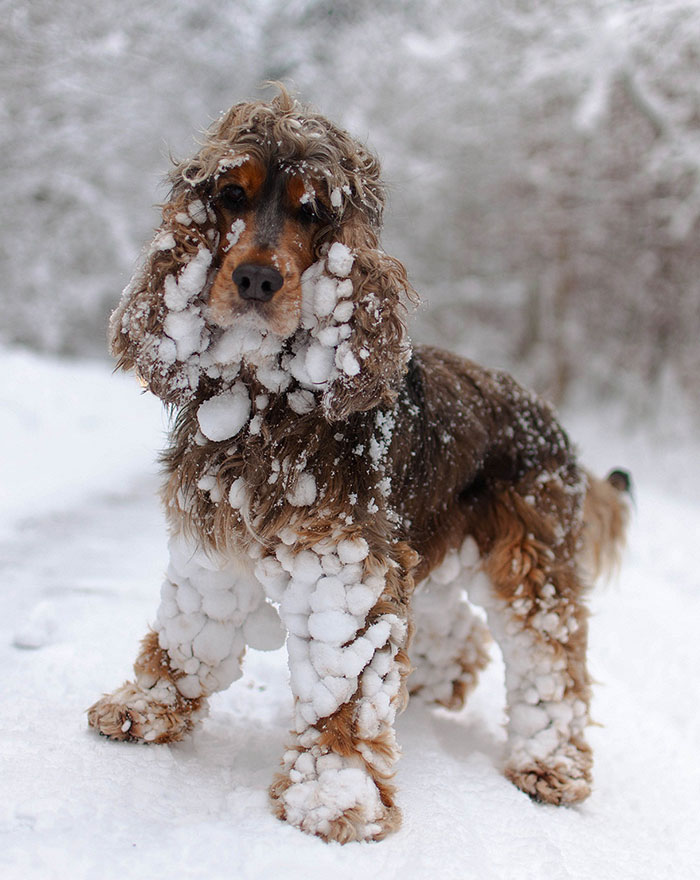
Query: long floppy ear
<point>158,328</point>
<point>373,358</point>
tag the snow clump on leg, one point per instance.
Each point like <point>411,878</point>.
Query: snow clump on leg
<point>346,675</point>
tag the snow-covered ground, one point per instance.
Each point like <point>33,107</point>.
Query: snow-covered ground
<point>82,548</point>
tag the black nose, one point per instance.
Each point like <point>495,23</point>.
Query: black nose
<point>257,282</point>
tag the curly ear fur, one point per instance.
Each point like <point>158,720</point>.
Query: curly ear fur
<point>137,332</point>
<point>378,341</point>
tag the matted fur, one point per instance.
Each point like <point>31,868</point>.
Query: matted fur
<point>396,470</point>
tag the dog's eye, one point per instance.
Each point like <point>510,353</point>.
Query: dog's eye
<point>312,212</point>
<point>232,197</point>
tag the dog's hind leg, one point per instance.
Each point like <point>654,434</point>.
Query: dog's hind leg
<point>346,609</point>
<point>532,592</point>
<point>450,643</point>
<point>211,608</point>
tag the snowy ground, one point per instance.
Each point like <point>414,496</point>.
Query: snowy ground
<point>82,548</point>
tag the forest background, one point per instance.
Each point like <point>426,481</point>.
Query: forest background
<point>543,162</point>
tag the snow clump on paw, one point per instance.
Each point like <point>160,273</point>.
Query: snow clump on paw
<point>326,788</point>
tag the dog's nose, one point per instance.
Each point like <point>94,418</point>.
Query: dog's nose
<point>257,282</point>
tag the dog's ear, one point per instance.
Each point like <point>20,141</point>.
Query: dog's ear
<point>158,329</point>
<point>373,358</point>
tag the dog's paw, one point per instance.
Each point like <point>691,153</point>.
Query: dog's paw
<point>159,714</point>
<point>562,779</point>
<point>327,797</point>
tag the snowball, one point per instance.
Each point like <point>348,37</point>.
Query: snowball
<point>306,568</point>
<point>336,197</point>
<point>182,629</point>
<point>234,343</point>
<point>331,564</point>
<point>345,289</point>
<point>350,366</point>
<point>326,659</point>
<point>329,336</point>
<point>325,296</point>
<point>185,329</point>
<point>351,573</point>
<point>302,677</point>
<point>343,311</point>
<point>190,282</point>
<point>213,644</point>
<point>328,595</point>
<point>353,550</point>
<point>360,600</point>
<point>187,598</point>
<point>469,553</point>
<point>378,634</point>
<point>164,241</point>
<point>296,598</point>
<point>167,350</point>
<point>339,260</point>
<point>272,377</point>
<point>319,363</point>
<point>272,576</point>
<point>285,557</point>
<point>333,627</point>
<point>528,720</point>
<point>223,416</point>
<point>304,493</point>
<point>189,686</point>
<point>371,683</point>
<point>208,581</point>
<point>219,605</point>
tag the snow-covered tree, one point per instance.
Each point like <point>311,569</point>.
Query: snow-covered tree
<point>542,161</point>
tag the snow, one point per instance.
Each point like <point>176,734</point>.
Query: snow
<point>340,259</point>
<point>190,282</point>
<point>83,551</point>
<point>304,492</point>
<point>222,417</point>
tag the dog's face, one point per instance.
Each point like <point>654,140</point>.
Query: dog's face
<point>267,219</point>
<point>276,192</point>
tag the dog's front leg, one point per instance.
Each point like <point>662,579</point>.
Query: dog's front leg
<point>211,608</point>
<point>346,610</point>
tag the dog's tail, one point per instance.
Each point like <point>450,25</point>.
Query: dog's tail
<point>606,516</point>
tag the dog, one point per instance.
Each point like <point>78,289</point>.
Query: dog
<point>327,481</point>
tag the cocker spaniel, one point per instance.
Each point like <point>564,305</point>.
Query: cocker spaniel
<point>321,467</point>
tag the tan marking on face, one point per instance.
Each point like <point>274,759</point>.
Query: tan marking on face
<point>291,255</point>
<point>296,189</point>
<point>250,175</point>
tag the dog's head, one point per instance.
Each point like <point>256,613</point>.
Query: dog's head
<point>268,256</point>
